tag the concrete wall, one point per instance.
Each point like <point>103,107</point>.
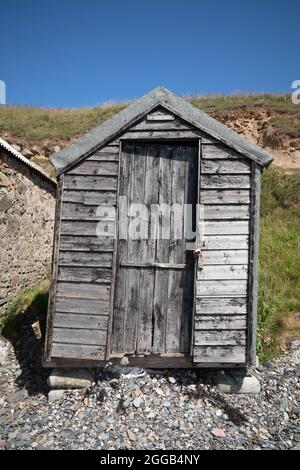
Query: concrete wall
<point>27,204</point>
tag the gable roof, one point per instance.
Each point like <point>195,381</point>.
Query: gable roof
<point>108,130</point>
<point>6,146</point>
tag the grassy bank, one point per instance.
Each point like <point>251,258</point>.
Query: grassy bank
<point>279,280</point>
<point>37,124</point>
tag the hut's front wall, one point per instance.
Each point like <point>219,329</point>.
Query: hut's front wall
<point>82,295</point>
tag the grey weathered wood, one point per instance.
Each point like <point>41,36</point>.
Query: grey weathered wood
<point>219,151</point>
<point>107,183</point>
<point>226,228</point>
<point>114,266</point>
<point>79,336</point>
<point>226,242</point>
<point>86,227</point>
<point>220,338</point>
<point>76,274</point>
<point>220,354</point>
<point>83,291</point>
<point>253,261</point>
<point>90,198</point>
<point>79,211</point>
<point>83,258</point>
<point>225,181</point>
<point>55,254</point>
<point>225,196</point>
<point>75,320</point>
<point>223,272</point>
<point>233,212</point>
<point>230,288</point>
<point>221,306</point>
<point>215,257</point>
<point>76,305</point>
<point>220,322</point>
<point>95,168</point>
<point>85,243</point>
<point>137,264</point>
<point>226,166</point>
<point>161,135</point>
<point>77,351</point>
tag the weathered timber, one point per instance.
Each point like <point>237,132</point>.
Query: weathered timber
<point>229,288</point>
<point>225,196</point>
<point>76,305</point>
<point>83,258</point>
<point>209,272</point>
<point>225,181</point>
<point>220,338</point>
<point>220,322</point>
<point>215,257</point>
<point>223,305</point>
<point>79,336</point>
<point>233,212</point>
<point>220,354</point>
<point>75,320</point>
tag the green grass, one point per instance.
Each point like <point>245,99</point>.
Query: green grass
<point>37,124</point>
<point>35,300</point>
<point>279,277</point>
<point>286,125</point>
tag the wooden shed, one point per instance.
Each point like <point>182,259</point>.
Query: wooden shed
<point>161,301</point>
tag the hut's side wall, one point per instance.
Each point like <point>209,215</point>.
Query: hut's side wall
<point>79,310</point>
<point>222,291</point>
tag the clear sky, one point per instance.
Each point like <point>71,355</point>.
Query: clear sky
<point>71,53</point>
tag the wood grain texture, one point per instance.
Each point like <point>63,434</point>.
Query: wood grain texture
<point>77,351</point>
<point>220,354</point>
<point>220,338</point>
<point>79,336</point>
<point>85,259</point>
<point>230,257</point>
<point>225,196</point>
<point>220,322</point>
<point>229,166</point>
<point>226,242</point>
<point>75,320</point>
<point>229,288</point>
<point>86,243</point>
<point>76,305</point>
<point>221,306</point>
<point>225,181</point>
<point>239,272</point>
<point>225,212</point>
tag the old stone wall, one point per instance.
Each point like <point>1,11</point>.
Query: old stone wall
<point>27,204</point>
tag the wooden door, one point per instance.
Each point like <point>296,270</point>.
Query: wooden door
<point>154,284</point>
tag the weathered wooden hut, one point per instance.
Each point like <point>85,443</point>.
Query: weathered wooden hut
<point>155,299</point>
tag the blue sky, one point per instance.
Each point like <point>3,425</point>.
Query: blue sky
<point>71,53</point>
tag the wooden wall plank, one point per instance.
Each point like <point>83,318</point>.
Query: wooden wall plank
<point>225,196</point>
<point>78,351</point>
<point>75,320</point>
<point>160,135</point>
<point>223,272</point>
<point>90,198</point>
<point>219,151</point>
<point>76,305</point>
<point>83,291</point>
<point>221,306</point>
<point>75,274</point>
<point>107,183</point>
<point>220,322</point>
<point>86,243</point>
<point>230,166</point>
<point>220,338</point>
<point>230,288</point>
<point>220,354</point>
<point>79,336</point>
<point>226,228</point>
<point>211,257</point>
<point>83,258</point>
<point>226,242</point>
<point>225,181</point>
<point>86,227</point>
<point>233,212</point>
<point>95,168</point>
